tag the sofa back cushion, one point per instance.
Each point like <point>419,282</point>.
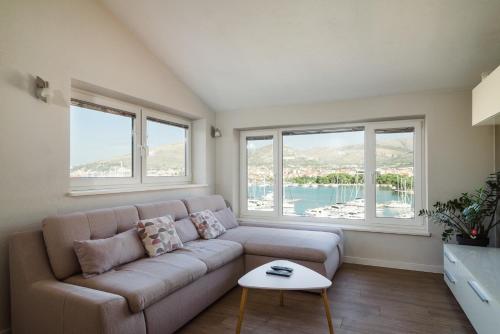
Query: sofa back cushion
<point>174,208</point>
<point>226,218</point>
<point>211,202</point>
<point>59,233</point>
<point>186,230</point>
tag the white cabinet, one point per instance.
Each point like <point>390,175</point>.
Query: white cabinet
<point>473,275</point>
<point>486,100</point>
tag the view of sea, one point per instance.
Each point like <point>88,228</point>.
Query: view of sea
<point>305,200</point>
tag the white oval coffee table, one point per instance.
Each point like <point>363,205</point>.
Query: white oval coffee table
<point>302,279</point>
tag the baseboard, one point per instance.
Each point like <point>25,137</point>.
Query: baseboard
<point>5,331</point>
<point>394,264</point>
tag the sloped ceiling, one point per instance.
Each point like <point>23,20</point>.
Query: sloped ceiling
<point>238,54</point>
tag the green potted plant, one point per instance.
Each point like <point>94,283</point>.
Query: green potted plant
<point>471,216</point>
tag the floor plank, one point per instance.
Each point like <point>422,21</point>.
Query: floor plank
<point>363,299</point>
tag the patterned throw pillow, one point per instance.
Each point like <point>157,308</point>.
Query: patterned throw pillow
<point>158,235</point>
<point>207,224</point>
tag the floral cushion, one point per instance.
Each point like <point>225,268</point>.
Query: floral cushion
<point>158,235</point>
<point>208,226</point>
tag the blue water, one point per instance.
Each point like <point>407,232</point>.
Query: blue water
<point>305,198</point>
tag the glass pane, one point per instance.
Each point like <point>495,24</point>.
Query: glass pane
<point>100,143</point>
<point>260,166</point>
<point>395,167</point>
<point>323,175</point>
<point>167,149</point>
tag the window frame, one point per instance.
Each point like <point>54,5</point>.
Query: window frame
<point>244,176</point>
<point>138,133</point>
<point>416,225</point>
<point>83,183</point>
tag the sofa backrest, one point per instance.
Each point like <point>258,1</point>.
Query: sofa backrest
<point>59,233</point>
<point>175,208</point>
<point>210,202</point>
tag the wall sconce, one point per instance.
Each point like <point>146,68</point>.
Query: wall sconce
<point>42,91</point>
<point>215,132</point>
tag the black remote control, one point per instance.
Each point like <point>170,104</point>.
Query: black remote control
<point>282,268</point>
<point>283,273</point>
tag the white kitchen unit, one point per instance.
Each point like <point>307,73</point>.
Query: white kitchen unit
<point>473,275</point>
<point>486,100</point>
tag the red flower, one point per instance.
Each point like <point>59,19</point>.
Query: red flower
<point>473,233</point>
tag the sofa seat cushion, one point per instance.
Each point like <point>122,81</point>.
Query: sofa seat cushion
<point>214,252</point>
<point>146,281</point>
<point>314,246</point>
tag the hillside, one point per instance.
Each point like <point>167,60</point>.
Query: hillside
<point>171,158</point>
<point>162,159</point>
<point>389,154</point>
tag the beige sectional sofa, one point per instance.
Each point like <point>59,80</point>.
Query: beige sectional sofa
<point>150,295</point>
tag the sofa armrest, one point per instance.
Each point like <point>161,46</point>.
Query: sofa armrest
<point>51,306</point>
<point>42,304</point>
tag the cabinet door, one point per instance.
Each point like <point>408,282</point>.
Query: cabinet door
<point>482,311</point>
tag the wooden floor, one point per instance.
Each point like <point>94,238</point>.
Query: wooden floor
<point>363,299</point>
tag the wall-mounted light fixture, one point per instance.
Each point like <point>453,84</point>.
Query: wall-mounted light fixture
<point>215,132</point>
<point>42,90</point>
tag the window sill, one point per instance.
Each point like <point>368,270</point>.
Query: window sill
<point>323,226</point>
<point>141,188</point>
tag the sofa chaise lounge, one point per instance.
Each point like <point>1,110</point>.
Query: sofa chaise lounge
<point>150,295</point>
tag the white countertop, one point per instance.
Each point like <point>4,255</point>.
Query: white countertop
<point>483,263</point>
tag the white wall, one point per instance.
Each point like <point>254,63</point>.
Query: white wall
<point>459,158</point>
<point>60,41</point>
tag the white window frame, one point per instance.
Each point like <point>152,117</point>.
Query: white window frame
<point>416,225</point>
<point>139,153</point>
<point>149,113</point>
<point>244,175</point>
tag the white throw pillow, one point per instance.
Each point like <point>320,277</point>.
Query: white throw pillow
<point>158,235</point>
<point>208,226</point>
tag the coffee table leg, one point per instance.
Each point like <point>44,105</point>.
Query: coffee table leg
<point>327,310</point>
<point>243,302</point>
<point>282,300</point>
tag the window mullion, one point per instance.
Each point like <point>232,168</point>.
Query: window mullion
<point>142,147</point>
<point>370,174</point>
<point>278,173</point>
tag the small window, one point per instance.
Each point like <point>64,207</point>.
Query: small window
<point>166,144</point>
<point>260,173</point>
<point>395,164</point>
<point>101,141</point>
<point>114,143</point>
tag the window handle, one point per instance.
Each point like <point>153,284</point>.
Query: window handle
<point>144,150</point>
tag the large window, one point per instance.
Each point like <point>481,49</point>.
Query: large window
<point>364,175</point>
<point>113,143</point>
<point>323,173</point>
